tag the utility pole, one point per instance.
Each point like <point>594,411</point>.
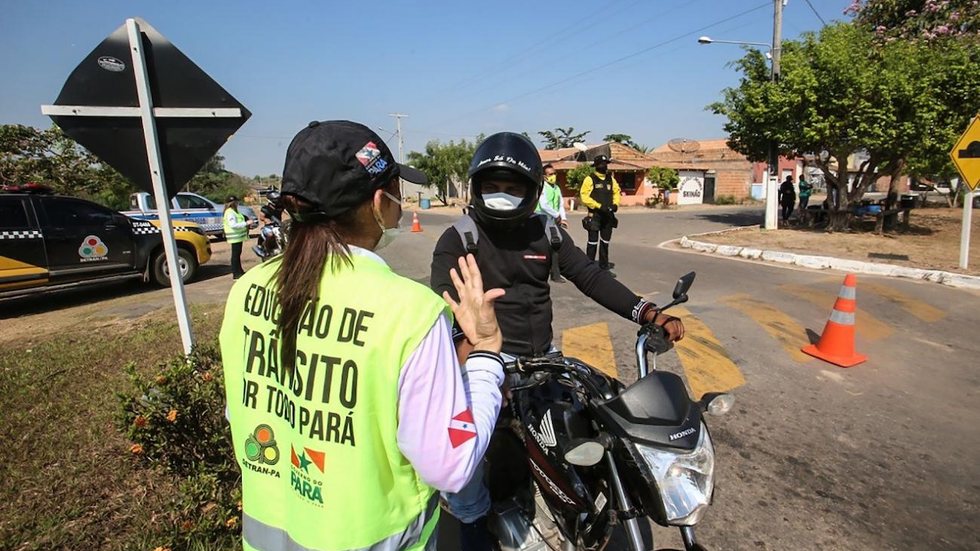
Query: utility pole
<point>772,183</point>
<point>401,157</point>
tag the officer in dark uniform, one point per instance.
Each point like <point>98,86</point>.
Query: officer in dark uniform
<point>513,249</point>
<point>600,193</point>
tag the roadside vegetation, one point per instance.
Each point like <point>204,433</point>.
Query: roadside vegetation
<point>73,475</point>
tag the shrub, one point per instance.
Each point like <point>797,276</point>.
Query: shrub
<point>725,200</point>
<point>663,178</point>
<point>176,421</point>
<point>577,175</point>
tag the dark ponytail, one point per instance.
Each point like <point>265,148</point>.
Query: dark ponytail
<point>297,278</point>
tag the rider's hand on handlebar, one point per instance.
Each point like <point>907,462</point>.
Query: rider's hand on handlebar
<point>673,326</point>
<point>474,312</point>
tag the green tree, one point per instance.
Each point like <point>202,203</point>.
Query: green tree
<point>49,157</point>
<point>561,137</point>
<point>217,183</point>
<point>445,165</point>
<point>902,103</point>
<point>577,175</point>
<point>626,140</point>
<point>28,154</point>
<point>663,178</point>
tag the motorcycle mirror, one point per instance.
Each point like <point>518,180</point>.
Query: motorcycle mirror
<point>717,403</point>
<point>683,286</point>
<point>584,452</point>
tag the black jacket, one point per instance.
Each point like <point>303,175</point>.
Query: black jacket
<point>519,262</point>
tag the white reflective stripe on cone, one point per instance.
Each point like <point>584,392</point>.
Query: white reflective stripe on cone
<point>843,318</point>
<point>848,292</point>
<point>269,538</point>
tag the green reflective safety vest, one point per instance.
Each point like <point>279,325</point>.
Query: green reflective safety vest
<point>321,467</point>
<point>552,196</point>
<point>233,235</point>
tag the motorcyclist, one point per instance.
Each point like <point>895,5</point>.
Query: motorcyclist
<point>272,210</point>
<point>271,235</point>
<point>513,248</point>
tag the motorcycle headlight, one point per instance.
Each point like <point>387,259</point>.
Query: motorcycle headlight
<point>685,480</point>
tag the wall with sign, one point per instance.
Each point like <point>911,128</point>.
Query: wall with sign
<point>690,190</point>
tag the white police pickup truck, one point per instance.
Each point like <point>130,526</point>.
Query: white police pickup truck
<point>187,207</point>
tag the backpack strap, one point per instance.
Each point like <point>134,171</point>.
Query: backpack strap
<point>468,234</point>
<point>470,237</point>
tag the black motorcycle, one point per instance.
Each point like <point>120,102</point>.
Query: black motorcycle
<point>600,454</point>
<point>272,237</point>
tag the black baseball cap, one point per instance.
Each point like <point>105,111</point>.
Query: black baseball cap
<point>337,165</point>
<point>600,159</point>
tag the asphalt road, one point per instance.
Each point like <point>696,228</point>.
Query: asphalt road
<point>879,456</point>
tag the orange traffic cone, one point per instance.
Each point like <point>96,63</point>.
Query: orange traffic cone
<point>416,226</point>
<point>836,345</point>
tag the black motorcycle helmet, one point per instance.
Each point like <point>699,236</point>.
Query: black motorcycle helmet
<point>601,160</point>
<point>273,197</point>
<point>507,157</point>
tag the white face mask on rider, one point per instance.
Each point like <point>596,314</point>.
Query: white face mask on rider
<point>501,201</point>
<point>387,234</point>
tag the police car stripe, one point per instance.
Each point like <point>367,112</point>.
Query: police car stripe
<point>20,234</point>
<point>153,229</point>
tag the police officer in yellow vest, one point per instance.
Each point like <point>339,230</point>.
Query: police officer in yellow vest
<point>347,404</point>
<point>600,193</point>
<point>236,232</point>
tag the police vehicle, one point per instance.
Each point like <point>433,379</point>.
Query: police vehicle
<point>189,207</point>
<point>50,242</point>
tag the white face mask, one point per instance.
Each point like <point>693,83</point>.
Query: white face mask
<point>501,201</point>
<point>387,234</point>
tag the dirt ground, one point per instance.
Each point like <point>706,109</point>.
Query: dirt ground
<point>931,242</point>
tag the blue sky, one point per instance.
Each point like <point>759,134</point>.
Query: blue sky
<point>456,68</point>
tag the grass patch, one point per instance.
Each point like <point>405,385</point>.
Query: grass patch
<point>70,480</point>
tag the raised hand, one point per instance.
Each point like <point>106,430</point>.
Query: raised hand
<point>474,312</point>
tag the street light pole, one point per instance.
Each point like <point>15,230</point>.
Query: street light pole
<point>772,181</point>
<point>401,158</point>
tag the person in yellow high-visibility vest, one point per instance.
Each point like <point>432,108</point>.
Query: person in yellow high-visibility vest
<point>236,233</point>
<point>348,406</point>
<point>600,194</point>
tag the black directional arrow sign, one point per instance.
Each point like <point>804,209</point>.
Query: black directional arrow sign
<point>194,115</point>
<point>148,111</point>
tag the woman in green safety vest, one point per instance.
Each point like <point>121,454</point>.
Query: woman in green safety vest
<point>347,403</point>
<point>236,232</point>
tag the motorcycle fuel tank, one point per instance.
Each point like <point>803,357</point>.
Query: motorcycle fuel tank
<point>552,415</point>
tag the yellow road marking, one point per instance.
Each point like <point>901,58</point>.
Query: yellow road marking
<point>706,364</point>
<point>868,326</point>
<point>919,309</point>
<point>592,345</point>
<point>780,326</point>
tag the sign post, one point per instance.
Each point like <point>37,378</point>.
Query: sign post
<point>112,110</point>
<point>966,157</point>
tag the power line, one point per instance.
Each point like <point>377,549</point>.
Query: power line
<point>618,60</point>
<point>554,61</point>
<point>815,12</point>
<point>522,54</point>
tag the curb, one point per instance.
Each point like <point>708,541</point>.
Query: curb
<point>829,263</point>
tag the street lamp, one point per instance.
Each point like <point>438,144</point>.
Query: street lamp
<point>709,40</point>
<point>772,180</point>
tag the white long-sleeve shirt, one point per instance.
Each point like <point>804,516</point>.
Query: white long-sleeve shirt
<point>446,413</point>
